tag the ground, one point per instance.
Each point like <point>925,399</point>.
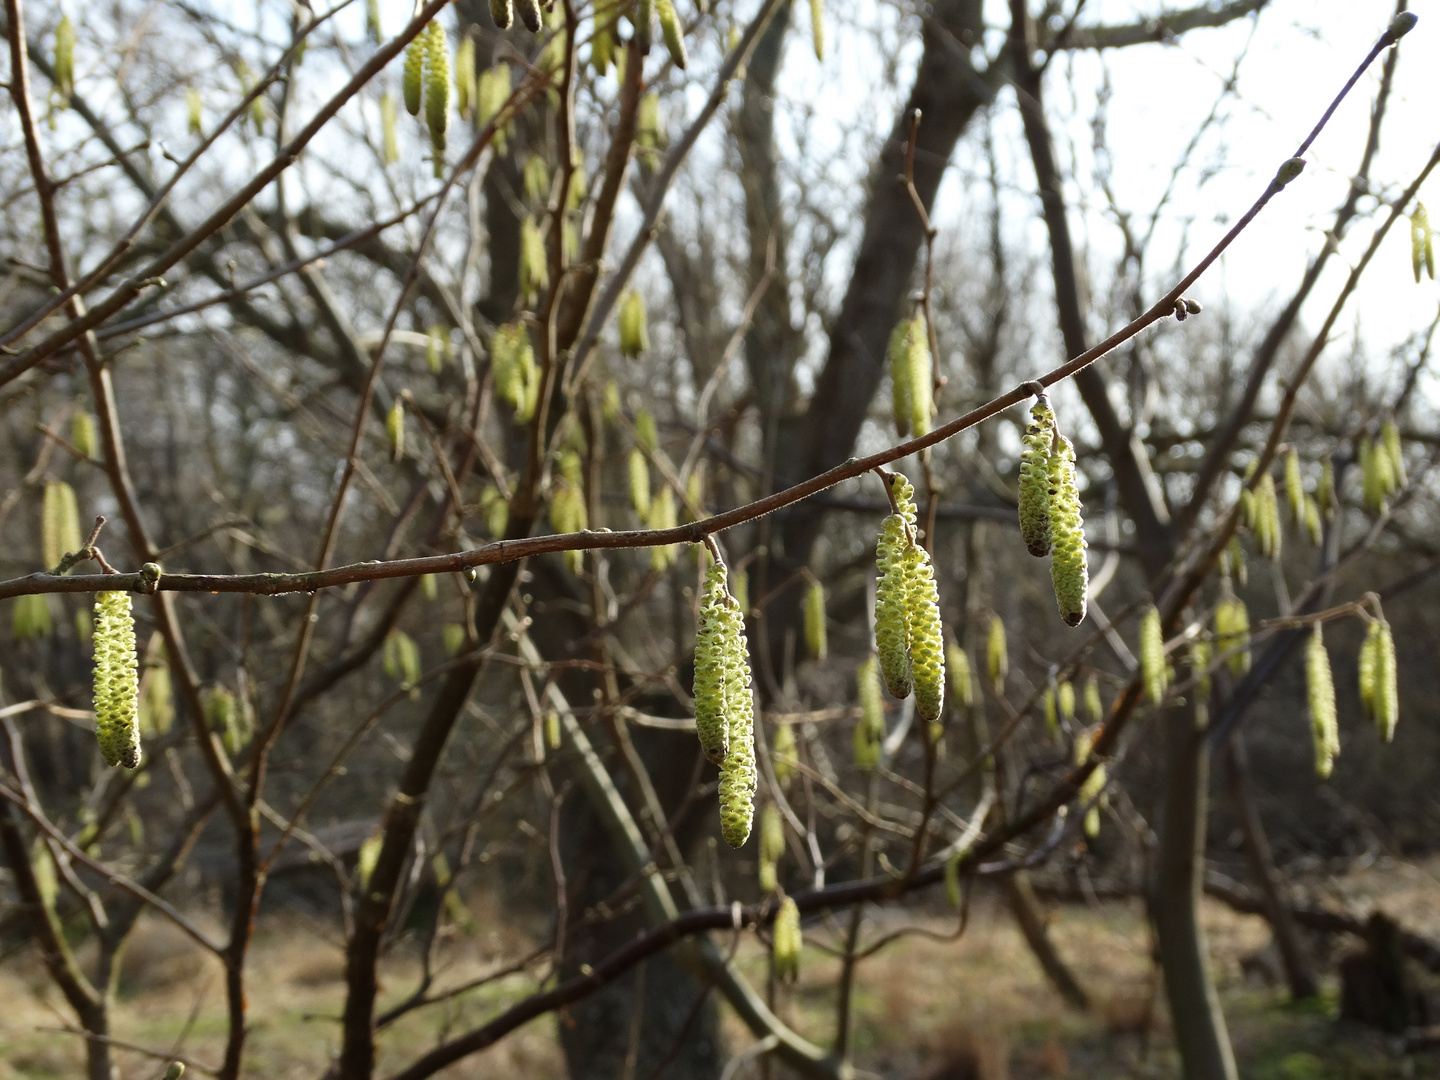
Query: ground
<point>972,1008</point>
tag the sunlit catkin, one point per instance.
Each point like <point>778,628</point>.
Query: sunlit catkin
<point>645,433</point>
<point>1068,569</point>
<point>870,729</point>
<point>662,516</point>
<point>671,31</point>
<point>395,429</point>
<point>962,687</point>
<point>1369,649</point>
<point>997,659</point>
<point>64,65</point>
<point>892,614</point>
<point>1325,490</point>
<point>117,686</point>
<point>1320,694</point>
<point>927,637</point>
<point>1395,453</point>
<point>1422,240</point>
<point>1091,793</point>
<point>84,436</point>
<point>784,753</point>
<point>59,523</point>
<point>465,76</point>
<point>389,140</point>
<point>1232,634</point>
<point>412,77</point>
<point>711,668</point>
<point>1153,671</point>
<point>1374,467</point>
<point>437,87</point>
<point>772,846</point>
<point>1093,707</point>
<point>639,482</point>
<point>910,377</point>
<point>815,638</point>
<point>738,775</point>
<point>1034,483</point>
<point>634,334</point>
<point>1267,509</point>
<point>785,951</point>
<point>817,31</point>
<point>1386,695</point>
<point>534,265</point>
<point>1294,487</point>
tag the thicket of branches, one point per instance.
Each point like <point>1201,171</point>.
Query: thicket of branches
<point>414,439</point>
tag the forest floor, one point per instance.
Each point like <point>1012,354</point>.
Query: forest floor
<point>973,1008</point>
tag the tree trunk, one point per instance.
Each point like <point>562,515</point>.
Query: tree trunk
<point>1293,954</point>
<point>1199,1025</point>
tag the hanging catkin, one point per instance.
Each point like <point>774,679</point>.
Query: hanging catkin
<point>711,673</point>
<point>892,617</point>
<point>997,660</point>
<point>1325,490</point>
<point>437,89</point>
<point>1153,670</point>
<point>503,13</point>
<point>1422,242</point>
<point>117,687</point>
<point>64,65</point>
<point>1386,694</point>
<point>927,637</point>
<point>1294,487</point>
<point>738,776</point>
<point>772,846</point>
<point>670,30</point>
<point>787,942</point>
<point>962,690</point>
<point>870,729</point>
<point>783,752</point>
<point>910,377</point>
<point>84,435</point>
<point>59,523</point>
<point>815,638</point>
<point>1232,634</point>
<point>639,483</point>
<point>1320,694</point>
<point>1068,569</point>
<point>1091,794</point>
<point>1034,481</point>
<point>412,80</point>
<point>1093,708</point>
<point>1267,508</point>
<point>817,32</point>
<point>530,15</point>
<point>634,335</point>
<point>1395,454</point>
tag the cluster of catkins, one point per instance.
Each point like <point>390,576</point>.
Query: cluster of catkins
<point>1050,512</point>
<point>724,703</point>
<point>1382,467</point>
<point>425,80</point>
<point>908,636</point>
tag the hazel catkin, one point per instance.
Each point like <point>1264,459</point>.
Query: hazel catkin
<point>1153,671</point>
<point>738,776</point>
<point>927,642</point>
<point>711,670</point>
<point>787,941</point>
<point>1034,483</point>
<point>117,686</point>
<point>1068,569</point>
<point>870,729</point>
<point>1320,694</point>
<point>892,614</point>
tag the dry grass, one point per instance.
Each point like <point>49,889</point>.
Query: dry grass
<point>976,1008</point>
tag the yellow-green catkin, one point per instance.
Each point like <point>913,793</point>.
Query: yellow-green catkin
<point>1093,707</point>
<point>1385,697</point>
<point>817,29</point>
<point>738,776</point>
<point>513,368</point>
<point>502,13</point>
<point>1325,490</point>
<point>389,140</point>
<point>437,89</point>
<point>1232,634</point>
<point>568,512</point>
<point>910,377</point>
<point>1153,670</point>
<point>785,952</point>
<point>1267,511</point>
<point>157,697</point>
<point>452,638</point>
<point>1294,487</point>
<point>496,510</point>
<point>117,687</point>
<point>437,345</point>
<point>1314,526</point>
<point>1395,453</point>
<point>927,637</point>
<point>1374,467</point>
<point>194,112</point>
<point>32,617</point>
<point>530,15</point>
<point>784,753</point>
<point>815,637</point>
<point>400,658</point>
<point>962,687</point>
<point>412,75</point>
<point>59,523</point>
<point>534,267</point>
<point>1034,482</point>
<point>670,30</point>
<point>1065,699</point>
<point>1091,793</point>
<point>634,332</point>
<point>997,658</point>
<point>711,671</point>
<point>84,436</point>
<point>1069,571</point>
<point>772,847</point>
<point>1047,708</point>
<point>645,432</point>
<point>492,91</point>
<point>1320,694</point>
<point>465,76</point>
<point>1422,242</point>
<point>870,729</point>
<point>663,516</point>
<point>64,64</point>
<point>552,730</point>
<point>373,30</point>
<point>892,611</point>
<point>395,429</point>
<point>639,482</point>
<point>1200,668</point>
<point>536,179</point>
